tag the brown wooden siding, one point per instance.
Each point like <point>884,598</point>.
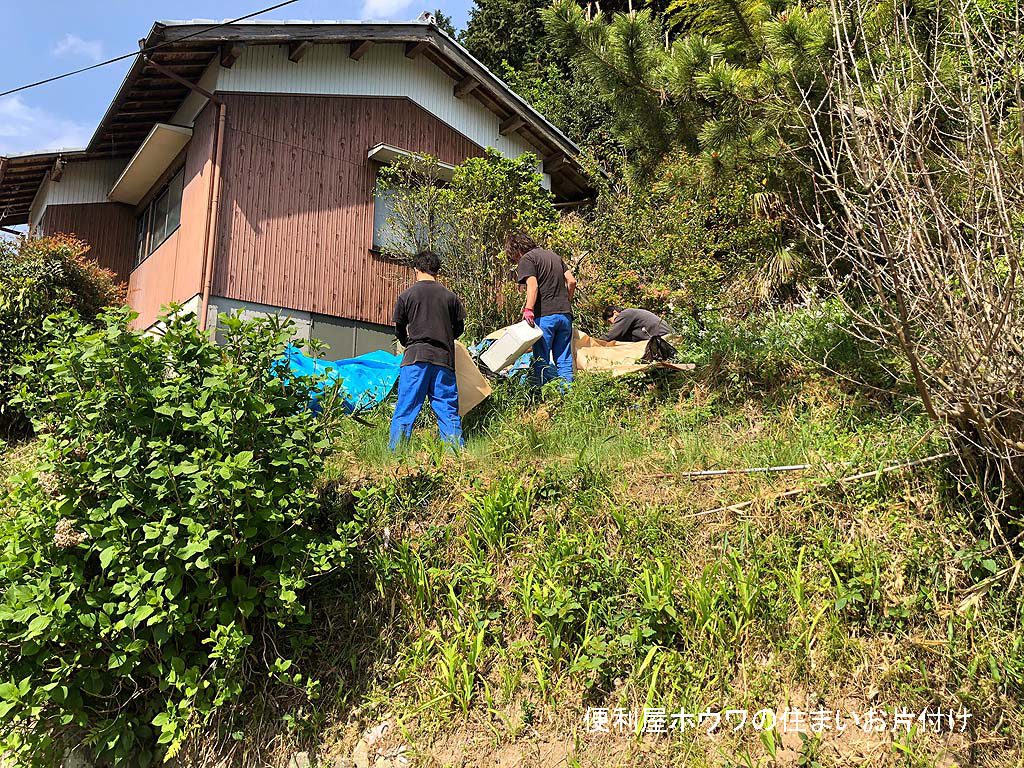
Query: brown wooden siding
<point>296,218</point>
<point>109,228</point>
<point>173,272</point>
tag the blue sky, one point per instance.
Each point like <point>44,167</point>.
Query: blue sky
<point>42,38</point>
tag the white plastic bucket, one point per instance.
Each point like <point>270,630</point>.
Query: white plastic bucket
<point>516,340</point>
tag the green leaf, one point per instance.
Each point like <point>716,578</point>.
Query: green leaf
<point>107,555</point>
<point>38,625</point>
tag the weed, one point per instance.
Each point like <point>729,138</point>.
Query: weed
<point>497,516</point>
<point>658,612</point>
<point>560,564</point>
<point>458,661</point>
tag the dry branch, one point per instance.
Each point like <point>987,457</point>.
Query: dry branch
<point>915,155</point>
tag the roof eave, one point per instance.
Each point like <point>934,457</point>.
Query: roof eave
<point>122,91</point>
<point>555,134</point>
<point>36,165</point>
<point>457,58</point>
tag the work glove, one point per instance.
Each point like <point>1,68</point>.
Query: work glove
<point>528,316</point>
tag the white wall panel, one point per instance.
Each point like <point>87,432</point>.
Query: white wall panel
<point>82,182</point>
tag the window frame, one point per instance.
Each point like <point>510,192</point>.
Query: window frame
<point>378,198</point>
<point>146,242</point>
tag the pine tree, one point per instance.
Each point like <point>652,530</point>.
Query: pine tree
<point>444,21</point>
<point>623,59</point>
<point>718,92</point>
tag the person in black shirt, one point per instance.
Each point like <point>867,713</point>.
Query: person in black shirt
<point>549,290</point>
<point>428,319</point>
<point>634,325</point>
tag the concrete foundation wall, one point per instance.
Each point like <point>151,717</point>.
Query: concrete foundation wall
<point>342,338</point>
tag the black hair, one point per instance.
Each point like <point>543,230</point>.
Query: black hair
<point>427,261</point>
<point>610,310</point>
<point>518,243</point>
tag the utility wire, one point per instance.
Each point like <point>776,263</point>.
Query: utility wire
<point>145,50</point>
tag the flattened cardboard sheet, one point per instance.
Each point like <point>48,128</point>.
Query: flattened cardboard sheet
<point>473,385</point>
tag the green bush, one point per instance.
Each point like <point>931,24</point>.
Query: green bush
<point>677,246</point>
<point>40,276</point>
<point>465,222</point>
<point>771,343</point>
<point>166,535</point>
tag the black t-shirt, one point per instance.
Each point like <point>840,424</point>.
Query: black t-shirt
<point>549,269</point>
<point>428,319</point>
<point>637,325</point>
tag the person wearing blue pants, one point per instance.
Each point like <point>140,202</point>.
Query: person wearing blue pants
<point>428,318</point>
<point>419,381</point>
<point>550,286</point>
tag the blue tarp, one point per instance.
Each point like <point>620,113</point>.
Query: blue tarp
<point>365,380</point>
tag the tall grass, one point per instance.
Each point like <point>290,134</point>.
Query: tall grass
<point>561,563</point>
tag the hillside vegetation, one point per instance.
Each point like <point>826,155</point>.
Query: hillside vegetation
<point>826,203</point>
<point>197,568</point>
<point>562,565</point>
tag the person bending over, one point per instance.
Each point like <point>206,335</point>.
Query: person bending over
<point>549,290</point>
<point>428,319</point>
<point>634,325</point>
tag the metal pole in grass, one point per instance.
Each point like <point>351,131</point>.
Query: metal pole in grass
<point>697,474</point>
<point>842,480</point>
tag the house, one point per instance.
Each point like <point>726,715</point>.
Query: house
<point>235,167</point>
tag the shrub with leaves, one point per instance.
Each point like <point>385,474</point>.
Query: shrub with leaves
<point>150,560</point>
<point>679,247</point>
<point>40,276</point>
<point>776,343</point>
<point>465,221</point>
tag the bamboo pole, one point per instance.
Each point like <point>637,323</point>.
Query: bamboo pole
<point>739,507</point>
<point>698,474</point>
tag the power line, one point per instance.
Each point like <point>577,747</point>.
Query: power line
<point>145,50</point>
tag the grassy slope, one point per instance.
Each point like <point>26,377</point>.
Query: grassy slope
<point>559,565</point>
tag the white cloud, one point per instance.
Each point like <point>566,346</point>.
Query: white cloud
<point>73,45</point>
<point>384,10</point>
<point>24,128</point>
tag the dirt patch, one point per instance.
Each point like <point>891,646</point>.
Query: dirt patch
<point>549,751</point>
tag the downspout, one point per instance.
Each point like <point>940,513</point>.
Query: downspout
<point>212,208</point>
<point>213,200</point>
